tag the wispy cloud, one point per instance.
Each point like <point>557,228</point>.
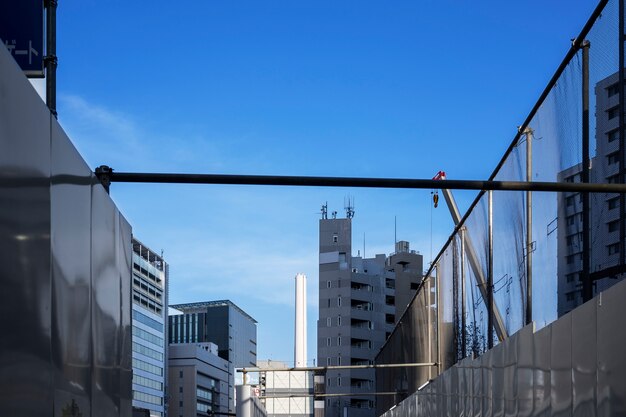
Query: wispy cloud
<point>105,136</point>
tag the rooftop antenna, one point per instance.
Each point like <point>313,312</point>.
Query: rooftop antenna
<point>325,211</point>
<point>349,206</point>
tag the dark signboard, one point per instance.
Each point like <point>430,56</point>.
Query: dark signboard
<point>21,30</point>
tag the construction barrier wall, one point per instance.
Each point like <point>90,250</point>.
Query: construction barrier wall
<point>65,264</point>
<point>572,367</point>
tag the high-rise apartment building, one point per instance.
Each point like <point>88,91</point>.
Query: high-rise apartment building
<point>220,322</point>
<point>606,267</point>
<point>149,313</point>
<point>357,312</point>
<point>198,380</point>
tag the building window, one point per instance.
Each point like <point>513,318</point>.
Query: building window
<point>613,112</point>
<point>570,296</point>
<point>574,218</point>
<point>328,322</point>
<point>338,301</point>
<point>569,201</point>
<point>612,158</point>
<point>613,226</point>
<point>335,238</point>
<point>338,340</point>
<point>328,284</point>
<point>147,398</point>
<point>328,341</point>
<point>571,277</point>
<point>329,303</point>
<point>574,239</point>
<point>612,90</point>
<point>180,374</point>
<point>180,403</point>
<point>613,203</point>
<point>328,362</point>
<point>613,135</point>
<point>339,321</point>
<point>613,179</point>
<point>338,360</point>
<point>572,258</point>
<point>148,367</point>
<point>180,389</point>
<point>613,249</point>
<point>147,382</point>
<point>338,381</point>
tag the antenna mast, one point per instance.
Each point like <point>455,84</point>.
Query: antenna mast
<point>349,206</point>
<point>325,211</point>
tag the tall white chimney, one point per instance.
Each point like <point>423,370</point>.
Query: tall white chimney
<point>300,332</point>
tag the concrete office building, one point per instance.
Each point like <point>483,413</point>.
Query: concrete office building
<point>149,312</point>
<point>357,311</point>
<point>220,322</point>
<point>198,380</point>
<point>605,211</point>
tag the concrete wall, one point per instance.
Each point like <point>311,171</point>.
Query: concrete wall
<point>573,367</point>
<point>65,261</point>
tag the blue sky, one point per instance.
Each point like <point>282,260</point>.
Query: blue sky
<point>372,89</point>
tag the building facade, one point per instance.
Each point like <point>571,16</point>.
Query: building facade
<point>606,262</point>
<point>198,380</point>
<point>287,393</point>
<point>222,323</point>
<point>357,312</point>
<point>149,313</point>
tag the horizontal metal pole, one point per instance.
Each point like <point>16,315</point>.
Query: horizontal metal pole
<point>338,367</point>
<point>365,394</point>
<point>304,181</point>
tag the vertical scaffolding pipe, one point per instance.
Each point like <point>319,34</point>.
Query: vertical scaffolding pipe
<point>587,288</point>
<point>622,133</point>
<point>428,304</point>
<point>439,319</point>
<point>529,227</point>
<point>490,275</point>
<point>51,55</point>
<point>463,323</point>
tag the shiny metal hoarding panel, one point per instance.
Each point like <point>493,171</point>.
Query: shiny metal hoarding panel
<point>124,267</point>
<point>477,387</point>
<point>561,366</point>
<point>486,361</point>
<point>70,212</point>
<point>525,375</point>
<point>105,309</point>
<point>584,360</point>
<point>509,374</point>
<point>497,372</point>
<point>611,390</point>
<point>542,361</point>
<point>25,369</point>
